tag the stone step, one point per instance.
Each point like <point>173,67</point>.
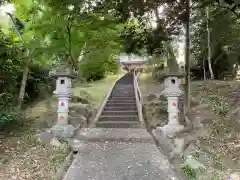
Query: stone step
<point>123,86</point>
<point>121,98</point>
<point>120,104</point>
<point>118,124</point>
<point>122,95</point>
<point>123,89</point>
<point>122,135</point>
<point>113,108</point>
<point>121,101</point>
<point>117,117</point>
<point>123,92</point>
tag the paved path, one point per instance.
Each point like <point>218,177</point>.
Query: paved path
<point>118,149</point>
<point>119,154</point>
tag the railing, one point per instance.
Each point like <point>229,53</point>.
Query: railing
<point>138,96</point>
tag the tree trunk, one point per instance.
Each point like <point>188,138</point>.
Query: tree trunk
<point>71,60</point>
<point>24,81</point>
<point>209,46</point>
<point>187,59</point>
<point>204,71</point>
<point>171,61</point>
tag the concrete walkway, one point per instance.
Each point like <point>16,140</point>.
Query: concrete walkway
<point>118,154</point>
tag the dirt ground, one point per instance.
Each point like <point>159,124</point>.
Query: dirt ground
<point>22,156</point>
<point>216,106</point>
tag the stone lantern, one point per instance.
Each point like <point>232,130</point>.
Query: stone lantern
<point>63,75</point>
<point>172,92</point>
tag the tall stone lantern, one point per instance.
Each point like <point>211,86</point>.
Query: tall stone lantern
<point>172,92</point>
<point>63,75</point>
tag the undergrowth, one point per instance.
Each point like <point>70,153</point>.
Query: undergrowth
<point>9,117</point>
<point>189,172</point>
<point>219,105</point>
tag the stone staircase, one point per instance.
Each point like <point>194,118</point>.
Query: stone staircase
<point>120,110</point>
<point>118,148</point>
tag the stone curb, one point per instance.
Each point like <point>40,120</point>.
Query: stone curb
<point>62,169</point>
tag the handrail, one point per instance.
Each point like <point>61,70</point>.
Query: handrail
<point>138,96</point>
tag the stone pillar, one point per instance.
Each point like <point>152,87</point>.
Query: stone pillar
<point>63,110</point>
<point>173,110</point>
<point>63,76</point>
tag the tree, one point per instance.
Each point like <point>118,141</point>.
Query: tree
<point>66,31</point>
<point>224,33</point>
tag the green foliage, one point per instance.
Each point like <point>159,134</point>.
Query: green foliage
<point>224,44</point>
<point>39,84</point>
<point>11,69</point>
<point>8,117</point>
<point>189,172</point>
<point>219,105</point>
<point>92,71</point>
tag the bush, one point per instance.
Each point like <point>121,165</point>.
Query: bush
<point>92,71</point>
<point>39,84</point>
<point>219,105</point>
<point>8,117</point>
<point>189,172</point>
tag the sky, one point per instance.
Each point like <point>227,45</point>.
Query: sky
<point>4,21</point>
<point>180,42</point>
<point>7,8</point>
<point>4,18</point>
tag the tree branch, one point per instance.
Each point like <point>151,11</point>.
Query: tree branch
<point>218,5</point>
<point>69,26</point>
<point>233,10</point>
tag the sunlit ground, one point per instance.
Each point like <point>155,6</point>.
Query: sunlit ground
<point>96,90</point>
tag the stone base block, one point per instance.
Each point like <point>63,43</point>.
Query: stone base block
<point>170,145</point>
<point>166,144</point>
<point>169,130</point>
<point>65,131</point>
<point>76,145</point>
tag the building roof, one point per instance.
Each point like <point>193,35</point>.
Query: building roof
<point>133,62</point>
<point>132,58</point>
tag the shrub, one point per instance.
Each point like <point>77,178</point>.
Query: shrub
<point>93,70</point>
<point>8,117</point>
<point>39,83</point>
<point>219,105</point>
<point>189,172</point>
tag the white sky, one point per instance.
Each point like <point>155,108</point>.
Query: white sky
<point>180,42</point>
<point>7,8</point>
<point>4,18</point>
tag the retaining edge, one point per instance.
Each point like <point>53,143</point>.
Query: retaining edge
<point>103,103</point>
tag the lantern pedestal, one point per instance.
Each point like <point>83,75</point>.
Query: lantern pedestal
<point>63,76</point>
<point>62,128</point>
<point>65,131</point>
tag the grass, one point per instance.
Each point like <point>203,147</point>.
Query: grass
<point>95,91</point>
<point>144,80</point>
